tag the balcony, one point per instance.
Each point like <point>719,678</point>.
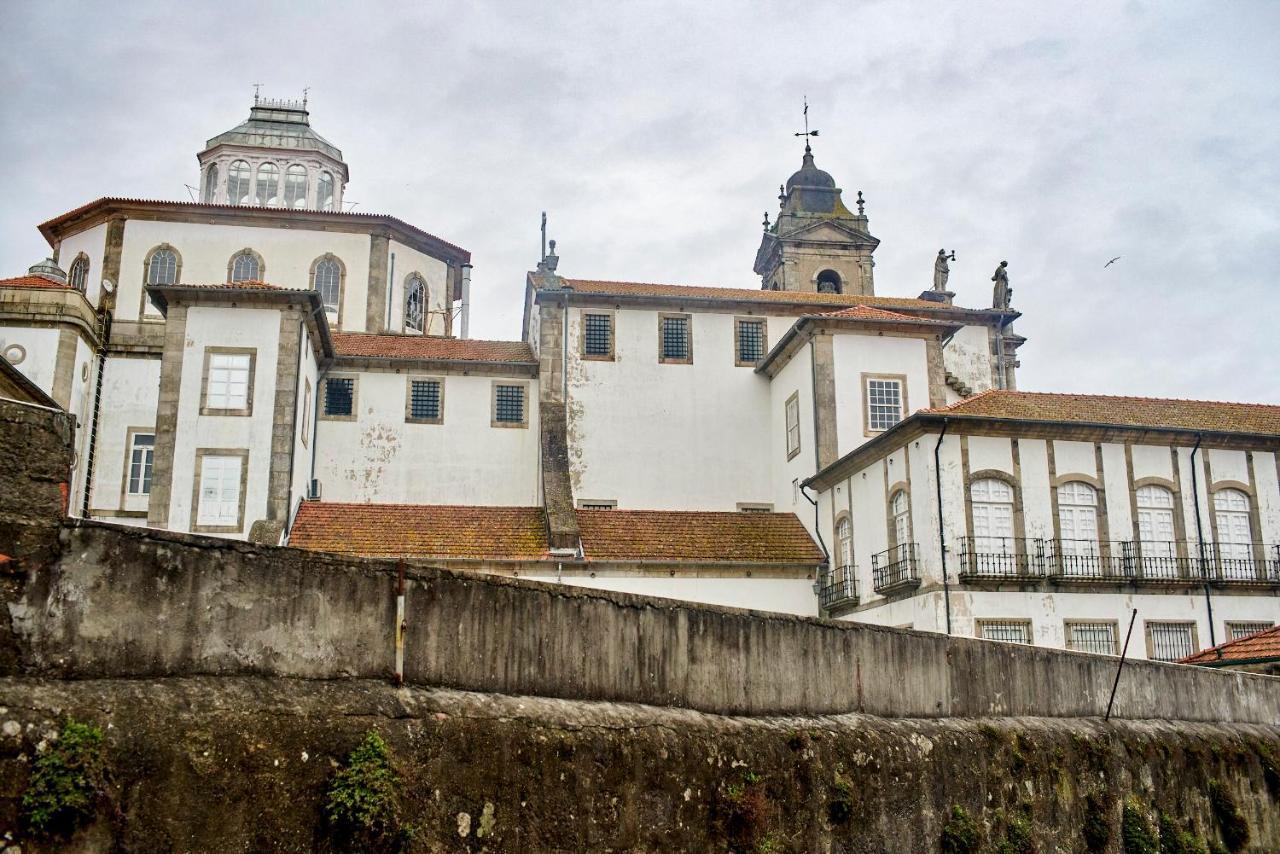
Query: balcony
<point>996,558</point>
<point>839,589</point>
<point>895,570</point>
<point>1089,560</point>
<point>1242,563</point>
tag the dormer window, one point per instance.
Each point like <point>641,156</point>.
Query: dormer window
<point>238,180</point>
<point>324,198</point>
<point>829,282</point>
<point>268,185</point>
<point>295,187</point>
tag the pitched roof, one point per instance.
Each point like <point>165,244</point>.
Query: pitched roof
<point>33,282</point>
<point>734,537</point>
<point>1261,645</point>
<point>420,530</point>
<point>1151,412</point>
<point>880,315</point>
<point>245,285</point>
<point>519,533</point>
<point>430,347</point>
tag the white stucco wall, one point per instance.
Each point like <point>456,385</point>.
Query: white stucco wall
<point>968,356</point>
<point>83,383</point>
<point>859,353</point>
<point>93,243</point>
<point>381,458</point>
<point>129,390</point>
<point>434,272</point>
<point>303,422</point>
<point>42,353</point>
<point>796,377</point>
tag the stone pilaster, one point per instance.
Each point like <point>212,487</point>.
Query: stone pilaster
<point>175,339</point>
<point>111,258</point>
<point>937,372</point>
<point>64,366</point>
<point>376,298</point>
<point>283,422</point>
<point>557,486</point>
<point>824,400</point>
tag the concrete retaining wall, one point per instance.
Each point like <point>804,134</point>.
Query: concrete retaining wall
<point>126,602</point>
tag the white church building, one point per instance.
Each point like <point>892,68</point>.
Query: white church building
<point>264,365</point>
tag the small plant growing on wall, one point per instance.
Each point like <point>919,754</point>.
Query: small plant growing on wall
<point>67,781</point>
<point>1136,835</point>
<point>960,834</point>
<point>1097,822</point>
<point>364,798</point>
<point>1231,822</point>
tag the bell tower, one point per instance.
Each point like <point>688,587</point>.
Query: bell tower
<point>816,244</point>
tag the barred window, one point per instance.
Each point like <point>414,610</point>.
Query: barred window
<point>508,404</point>
<point>586,504</point>
<point>339,396</point>
<point>1099,638</point>
<point>750,341</point>
<point>597,334</point>
<point>1170,641</point>
<point>1235,631</point>
<point>424,400</point>
<point>675,339</point>
<point>1009,631</point>
<point>884,403</point>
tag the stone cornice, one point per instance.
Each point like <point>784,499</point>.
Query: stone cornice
<point>464,367</point>
<point>165,296</point>
<point>49,307</point>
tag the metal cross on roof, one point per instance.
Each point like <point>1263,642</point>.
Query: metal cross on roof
<point>807,133</point>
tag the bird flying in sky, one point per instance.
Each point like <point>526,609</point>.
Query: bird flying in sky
<point>1112,261</point>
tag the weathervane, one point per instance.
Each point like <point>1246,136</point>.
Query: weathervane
<point>256,87</point>
<point>544,235</point>
<point>807,133</point>
<point>305,91</point>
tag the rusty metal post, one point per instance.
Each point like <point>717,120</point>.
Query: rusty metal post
<point>400,625</point>
<point>1132,619</point>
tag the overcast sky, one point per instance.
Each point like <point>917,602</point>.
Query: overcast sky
<point>1055,136</point>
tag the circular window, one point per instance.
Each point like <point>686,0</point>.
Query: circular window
<point>14,354</point>
<point>84,371</point>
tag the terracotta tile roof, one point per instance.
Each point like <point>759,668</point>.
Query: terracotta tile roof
<point>430,347</point>
<point>33,282</point>
<point>246,285</point>
<point>880,315</point>
<point>592,286</point>
<point>1262,645</point>
<point>419,530</point>
<point>658,535</point>
<point>1121,411</point>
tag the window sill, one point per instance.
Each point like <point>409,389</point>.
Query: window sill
<point>424,421</point>
<point>518,425</point>
<point>230,413</point>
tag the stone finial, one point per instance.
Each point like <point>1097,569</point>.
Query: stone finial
<point>552,260</point>
<point>782,195</point>
<point>766,221</point>
<point>861,205</point>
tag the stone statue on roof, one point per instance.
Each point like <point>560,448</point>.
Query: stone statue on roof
<point>1003,293</point>
<point>942,270</point>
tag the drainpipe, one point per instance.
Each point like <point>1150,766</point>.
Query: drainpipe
<point>942,537</point>
<point>825,568</point>
<point>466,301</point>
<point>1204,563</point>
<point>391,279</point>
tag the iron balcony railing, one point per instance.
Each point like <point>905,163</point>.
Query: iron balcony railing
<point>1088,560</point>
<point>1001,557</point>
<point>895,569</point>
<point>839,588</point>
<point>1243,563</point>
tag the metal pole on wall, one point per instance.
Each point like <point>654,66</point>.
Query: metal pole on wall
<point>1132,619</point>
<point>400,624</point>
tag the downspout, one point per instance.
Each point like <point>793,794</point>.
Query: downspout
<point>466,301</point>
<point>1204,563</point>
<point>825,569</point>
<point>942,537</point>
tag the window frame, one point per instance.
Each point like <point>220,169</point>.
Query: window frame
<point>900,491</point>
<point>1195,636</point>
<point>903,407</point>
<point>260,198</point>
<point>755,507</point>
<point>81,261</point>
<point>323,397</point>
<point>210,195</point>
<point>342,285</point>
<point>326,177</point>
<point>793,400</point>
<point>1229,627</point>
<point>663,316</point>
<point>155,316</point>
<point>1068,624</point>
<point>198,475</point>
<point>231,266</point>
<point>582,335</point>
<point>246,198</point>
<point>284,181</point>
<point>306,411</point>
<point>981,623</point>
<point>130,437</point>
<point>408,399</point>
<point>737,340</point>
<point>596,504</point>
<point>844,554</point>
<point>493,404</point>
<point>424,320</point>
<point>247,409</point>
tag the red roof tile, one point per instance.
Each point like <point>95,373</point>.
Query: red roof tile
<point>879,315</point>
<point>1262,645</point>
<point>666,535</point>
<point>430,347</point>
<point>1120,411</point>
<point>418,530</point>
<point>32,282</point>
<point>246,285</point>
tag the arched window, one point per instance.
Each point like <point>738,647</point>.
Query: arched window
<point>210,182</point>
<point>844,543</point>
<point>324,198</point>
<point>267,192</point>
<point>900,507</point>
<point>1235,529</point>
<point>295,187</point>
<point>992,507</point>
<point>415,300</point>
<point>829,282</point>
<point>238,180</point>
<point>1078,518</point>
<point>1156,532</point>
<point>162,269</point>
<point>78,276</point>
<point>326,278</point>
<point>245,267</point>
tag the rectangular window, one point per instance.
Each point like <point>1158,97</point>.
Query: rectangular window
<point>597,336</point>
<point>597,504</point>
<point>141,457</point>
<point>228,382</point>
<point>219,497</point>
<point>1170,641</point>
<point>1235,631</point>
<point>340,397</point>
<point>884,402</point>
<point>508,405</point>
<point>1008,631</point>
<point>676,345</point>
<point>1099,638</point>
<point>750,341</point>
<point>793,424</point>
<point>425,401</point>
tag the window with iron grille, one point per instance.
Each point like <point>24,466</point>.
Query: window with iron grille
<point>750,341</point>
<point>587,504</point>
<point>1170,641</point>
<point>508,404</point>
<point>339,396</point>
<point>675,339</point>
<point>1008,631</point>
<point>884,403</point>
<point>424,400</point>
<point>597,335</point>
<point>1235,631</point>
<point>1099,638</point>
